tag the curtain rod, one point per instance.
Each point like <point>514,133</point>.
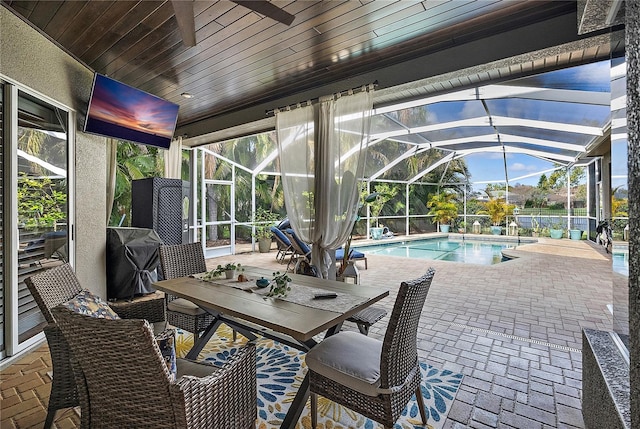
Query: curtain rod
<point>309,102</point>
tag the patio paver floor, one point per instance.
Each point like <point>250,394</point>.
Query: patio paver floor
<point>513,329</point>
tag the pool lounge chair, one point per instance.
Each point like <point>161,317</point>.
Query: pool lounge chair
<point>303,250</point>
<point>300,248</point>
<point>284,245</point>
<point>354,255</point>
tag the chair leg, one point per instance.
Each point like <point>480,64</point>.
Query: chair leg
<point>51,415</point>
<point>314,410</point>
<point>363,328</point>
<point>420,401</point>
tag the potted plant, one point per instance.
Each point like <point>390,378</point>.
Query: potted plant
<point>230,270</point>
<point>556,230</point>
<point>263,221</point>
<point>347,246</point>
<point>535,227</point>
<point>443,209</point>
<point>575,234</point>
<point>497,210</point>
<point>384,192</point>
<point>280,284</point>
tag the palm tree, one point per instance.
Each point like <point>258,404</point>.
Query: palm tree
<point>133,161</point>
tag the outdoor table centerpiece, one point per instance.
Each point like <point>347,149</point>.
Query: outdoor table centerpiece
<point>280,285</point>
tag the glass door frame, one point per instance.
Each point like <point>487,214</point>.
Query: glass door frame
<point>198,215</point>
<point>11,231</point>
<point>210,252</point>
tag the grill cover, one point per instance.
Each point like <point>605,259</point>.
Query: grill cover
<point>132,262</point>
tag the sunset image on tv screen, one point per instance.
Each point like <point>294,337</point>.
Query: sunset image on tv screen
<point>121,111</point>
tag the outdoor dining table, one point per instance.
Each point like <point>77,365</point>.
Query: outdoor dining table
<point>293,320</point>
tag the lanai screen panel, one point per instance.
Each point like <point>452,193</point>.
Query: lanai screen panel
<point>384,153</point>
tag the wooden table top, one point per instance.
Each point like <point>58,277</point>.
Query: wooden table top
<point>298,321</point>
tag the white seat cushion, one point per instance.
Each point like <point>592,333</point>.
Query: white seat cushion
<point>182,305</point>
<point>195,369</point>
<point>350,358</point>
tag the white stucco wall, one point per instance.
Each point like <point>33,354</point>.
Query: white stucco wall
<point>29,59</point>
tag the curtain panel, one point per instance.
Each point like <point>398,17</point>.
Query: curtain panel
<point>321,163</point>
<point>173,160</point>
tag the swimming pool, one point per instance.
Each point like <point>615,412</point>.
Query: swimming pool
<point>620,260</point>
<point>442,249</point>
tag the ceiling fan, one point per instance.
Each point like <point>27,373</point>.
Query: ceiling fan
<point>186,22</point>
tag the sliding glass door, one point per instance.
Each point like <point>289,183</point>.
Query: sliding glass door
<point>35,206</point>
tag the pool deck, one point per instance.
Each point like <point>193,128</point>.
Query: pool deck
<point>513,329</point>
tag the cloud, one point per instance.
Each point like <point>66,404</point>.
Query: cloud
<point>518,166</point>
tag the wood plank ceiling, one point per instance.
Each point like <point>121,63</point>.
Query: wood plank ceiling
<point>243,59</point>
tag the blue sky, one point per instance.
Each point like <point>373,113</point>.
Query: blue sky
<point>490,167</point>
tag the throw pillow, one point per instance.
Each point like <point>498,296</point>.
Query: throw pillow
<point>167,343</point>
<point>89,304</point>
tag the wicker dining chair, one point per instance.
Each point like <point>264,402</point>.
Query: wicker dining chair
<point>55,286</point>
<point>374,378</point>
<point>130,386</point>
<point>50,288</point>
<point>181,260</point>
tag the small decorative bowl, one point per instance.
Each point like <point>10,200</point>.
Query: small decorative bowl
<point>262,282</point>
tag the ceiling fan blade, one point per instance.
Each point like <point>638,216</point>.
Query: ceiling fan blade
<point>186,22</point>
<point>267,9</point>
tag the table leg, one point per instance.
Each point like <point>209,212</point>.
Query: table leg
<point>297,406</point>
<point>203,340</point>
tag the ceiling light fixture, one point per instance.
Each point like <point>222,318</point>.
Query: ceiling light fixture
<point>187,95</point>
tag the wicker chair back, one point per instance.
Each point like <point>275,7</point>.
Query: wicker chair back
<point>52,287</point>
<point>399,349</point>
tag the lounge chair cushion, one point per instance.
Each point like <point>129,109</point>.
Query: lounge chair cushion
<point>303,246</point>
<point>91,305</point>
<point>349,358</point>
<point>354,254</point>
<point>281,236</point>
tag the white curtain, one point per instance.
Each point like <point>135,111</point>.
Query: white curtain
<point>320,175</point>
<point>112,164</point>
<point>173,160</point>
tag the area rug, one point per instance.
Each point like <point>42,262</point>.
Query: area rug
<point>281,369</point>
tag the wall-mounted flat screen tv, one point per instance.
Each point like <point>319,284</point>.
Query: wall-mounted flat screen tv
<point>123,112</point>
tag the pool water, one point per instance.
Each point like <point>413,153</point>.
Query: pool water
<point>620,258</point>
<point>442,249</point>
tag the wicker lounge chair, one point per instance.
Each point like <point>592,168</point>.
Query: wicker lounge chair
<point>50,288</point>
<point>181,260</point>
<point>131,387</point>
<point>374,378</point>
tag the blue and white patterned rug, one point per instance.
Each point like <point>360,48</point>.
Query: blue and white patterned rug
<point>280,370</point>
